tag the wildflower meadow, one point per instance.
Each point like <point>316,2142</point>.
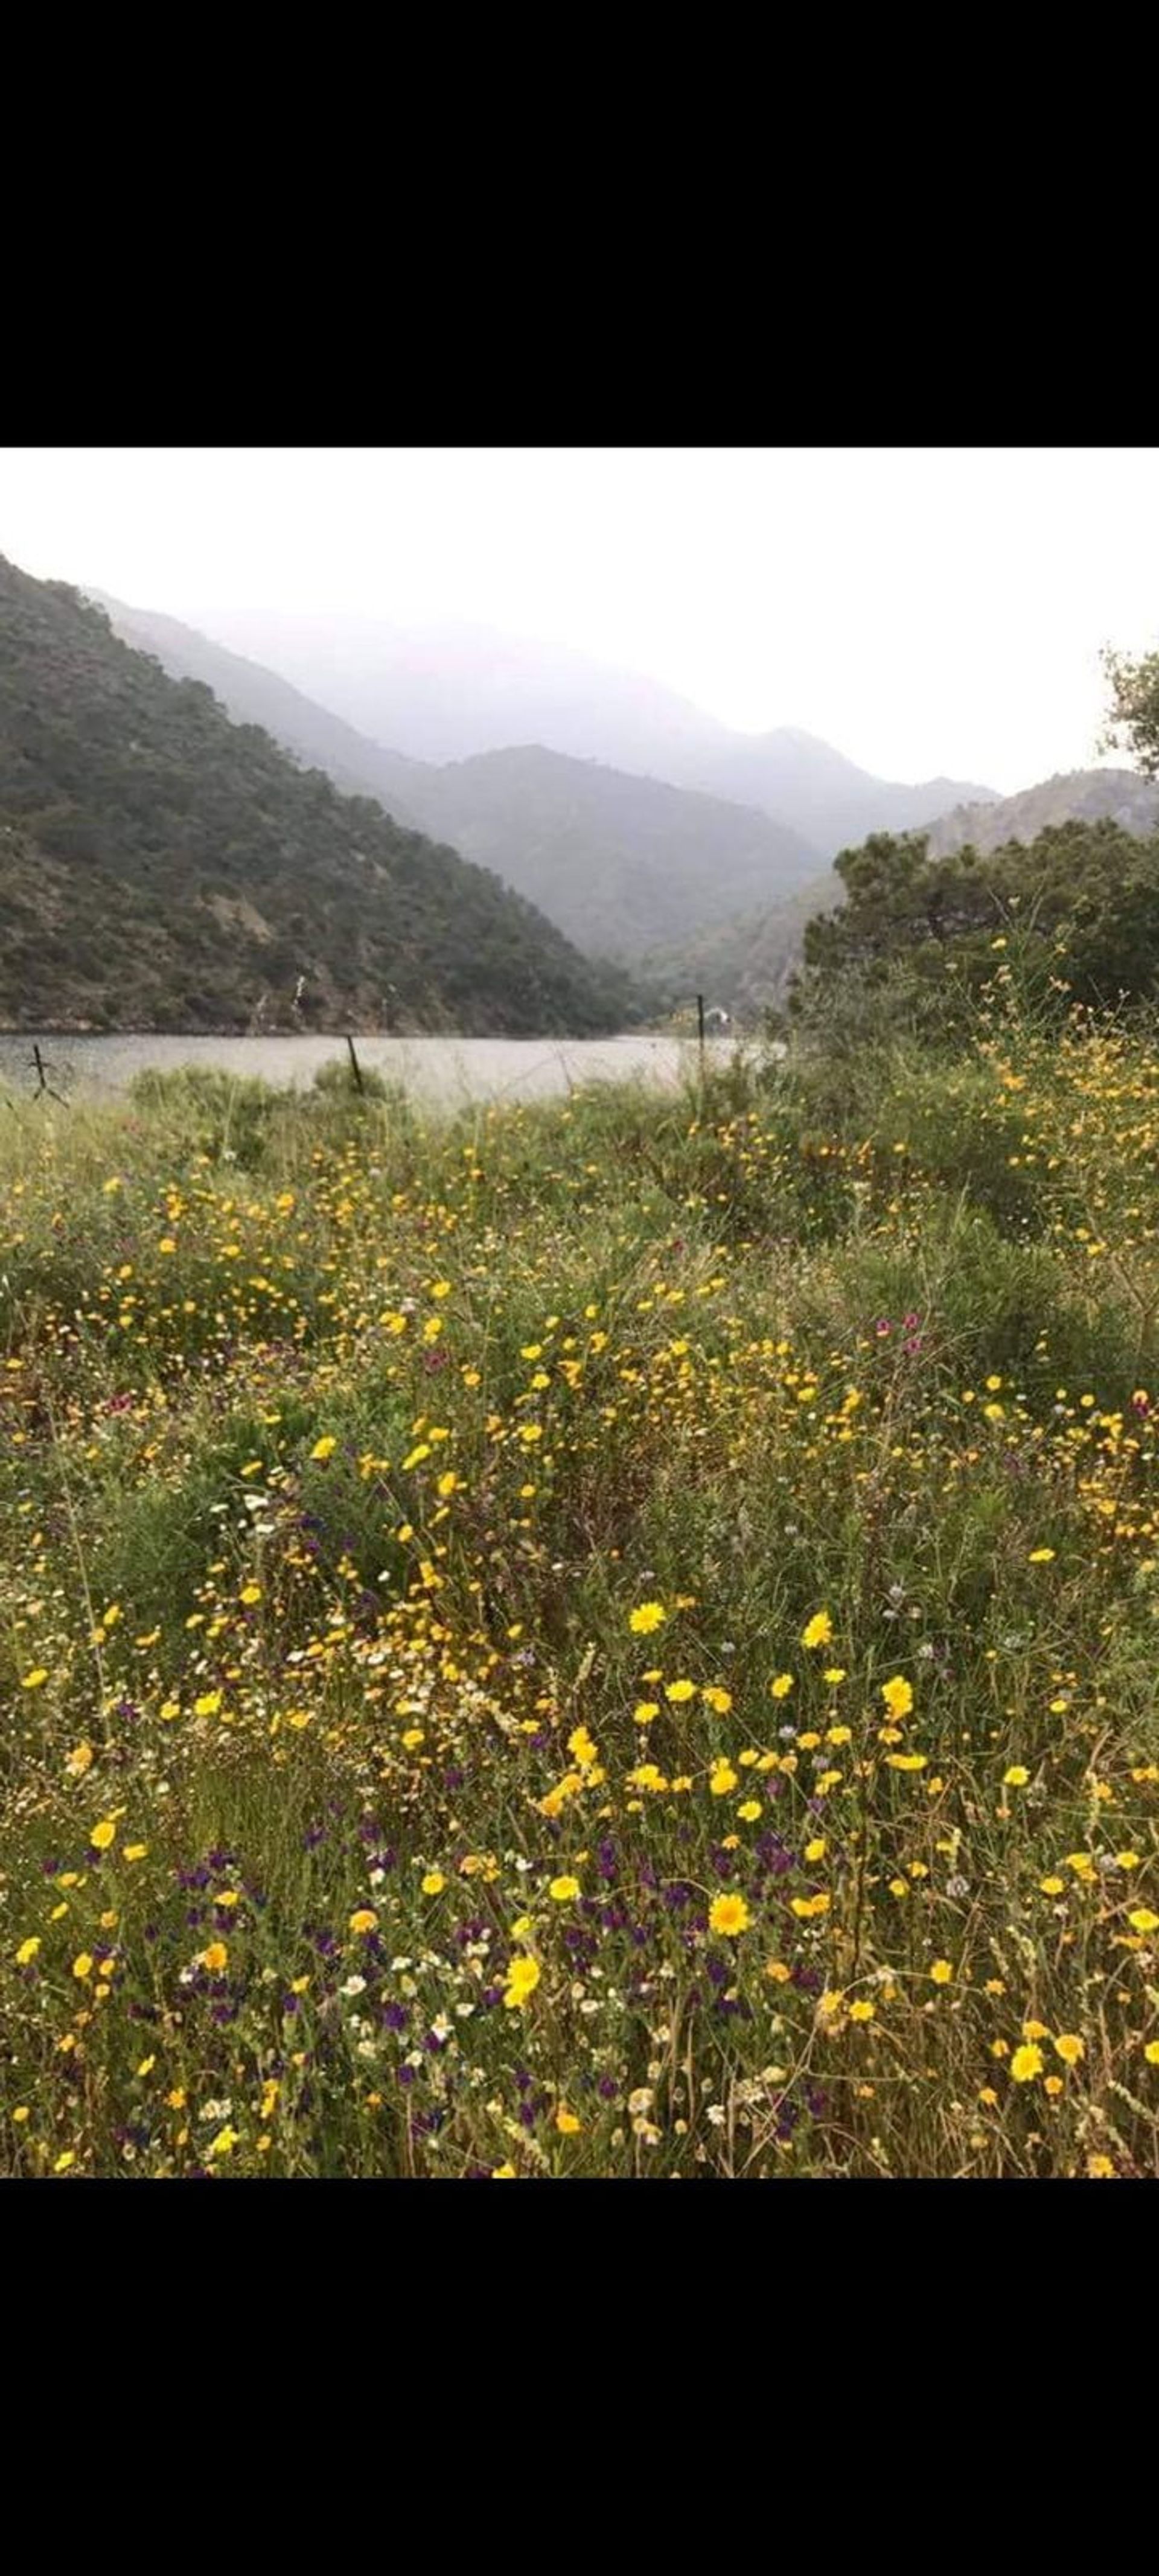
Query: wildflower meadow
<point>603,1638</point>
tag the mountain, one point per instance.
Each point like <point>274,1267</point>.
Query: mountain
<point>618,861</point>
<point>622,863</point>
<point>1075,796</point>
<point>257,696</point>
<point>448,693</point>
<point>824,796</point>
<point>162,867</point>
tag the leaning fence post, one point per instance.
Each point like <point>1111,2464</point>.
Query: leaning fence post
<point>355,1067</point>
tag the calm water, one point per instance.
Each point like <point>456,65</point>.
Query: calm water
<point>442,1069</point>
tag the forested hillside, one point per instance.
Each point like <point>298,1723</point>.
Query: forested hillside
<point>161,867</point>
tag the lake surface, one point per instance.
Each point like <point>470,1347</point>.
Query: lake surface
<point>447,1070</point>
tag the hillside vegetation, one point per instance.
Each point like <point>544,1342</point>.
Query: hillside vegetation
<point>622,864</point>
<point>1075,796</point>
<point>613,1638</point>
<point>163,868</point>
<point>253,695</point>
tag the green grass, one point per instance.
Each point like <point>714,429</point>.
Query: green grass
<point>342,1445</point>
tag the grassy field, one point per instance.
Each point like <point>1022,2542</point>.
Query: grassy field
<point>610,1638</point>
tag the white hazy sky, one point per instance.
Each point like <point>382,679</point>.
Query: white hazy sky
<point>925,609</point>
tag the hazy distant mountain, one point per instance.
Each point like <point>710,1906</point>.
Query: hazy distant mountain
<point>1077,795</point>
<point>622,863</point>
<point>256,696</point>
<point>618,861</point>
<point>451,692</point>
<point>826,797</point>
<point>161,867</point>
<point>448,692</point>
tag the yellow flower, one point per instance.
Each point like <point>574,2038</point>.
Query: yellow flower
<point>325,1447</point>
<point>645,1710</point>
<point>942,1972</point>
<point>1052,1886</point>
<point>563,1889</point>
<point>906,1761</point>
<point>781,1685</point>
<point>819,1630</point>
<point>82,1965</point>
<point>898,1696</point>
<point>364,1920</point>
<point>1025,2064</point>
<point>833,1674</point>
<point>215,1958</point>
<point>778,1971</point>
<point>79,1760</point>
<point>250,1592</point>
<point>27,1951</point>
<point>648,1615</point>
<point>728,1914</point>
<point>134,1851</point>
<point>808,1906</point>
<point>1016,1777</point>
<point>63,2162</point>
<point>1151,2052</point>
<point>749,1811</point>
<point>582,1749</point>
<point>679,1692</point>
<point>434,1883</point>
<point>862,2011</point>
<point>503,2173</point>
<point>224,2143</point>
<point>103,1834</point>
<point>1070,2048</point>
<point>718,1700</point>
<point>523,1977</point>
<point>33,1680</point>
<point>566,2122</point>
<point>721,1779</point>
<point>1142,1920</point>
<point>1100,2168</point>
<point>1040,1556</point>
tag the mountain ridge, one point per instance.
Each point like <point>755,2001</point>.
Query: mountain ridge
<point>1070,796</point>
<point>161,866</point>
<point>455,691</point>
